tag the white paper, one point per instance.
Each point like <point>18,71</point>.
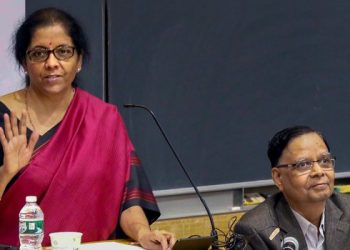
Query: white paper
<point>108,246</point>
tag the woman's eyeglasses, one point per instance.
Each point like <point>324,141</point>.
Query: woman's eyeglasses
<point>41,54</point>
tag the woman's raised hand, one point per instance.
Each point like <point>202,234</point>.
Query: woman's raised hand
<point>17,149</point>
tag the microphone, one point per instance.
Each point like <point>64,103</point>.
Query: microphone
<point>214,234</point>
<point>290,243</point>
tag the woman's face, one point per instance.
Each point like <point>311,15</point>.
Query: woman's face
<point>52,75</point>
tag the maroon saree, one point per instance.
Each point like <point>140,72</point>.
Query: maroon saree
<point>79,175</point>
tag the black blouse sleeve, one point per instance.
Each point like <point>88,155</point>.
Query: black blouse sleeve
<point>3,110</point>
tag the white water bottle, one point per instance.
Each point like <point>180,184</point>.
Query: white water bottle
<point>31,225</point>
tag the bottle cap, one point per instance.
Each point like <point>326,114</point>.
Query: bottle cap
<point>31,199</point>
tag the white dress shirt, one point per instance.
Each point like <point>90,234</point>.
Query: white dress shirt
<point>314,237</point>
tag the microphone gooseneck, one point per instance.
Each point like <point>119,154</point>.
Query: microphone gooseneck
<point>213,232</point>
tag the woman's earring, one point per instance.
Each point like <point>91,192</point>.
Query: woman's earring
<point>78,70</point>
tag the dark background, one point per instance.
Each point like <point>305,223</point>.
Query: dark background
<point>221,76</point>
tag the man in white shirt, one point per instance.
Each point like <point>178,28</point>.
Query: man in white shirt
<point>306,213</point>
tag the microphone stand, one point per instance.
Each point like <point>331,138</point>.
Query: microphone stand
<point>214,233</point>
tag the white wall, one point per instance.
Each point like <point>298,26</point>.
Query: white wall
<point>11,13</point>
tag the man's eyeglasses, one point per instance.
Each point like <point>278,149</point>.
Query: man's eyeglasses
<point>40,54</point>
<point>326,163</point>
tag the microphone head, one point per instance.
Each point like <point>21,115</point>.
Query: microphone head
<point>290,243</point>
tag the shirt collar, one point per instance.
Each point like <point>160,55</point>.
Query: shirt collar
<point>305,224</point>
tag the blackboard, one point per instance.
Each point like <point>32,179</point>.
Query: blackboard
<point>224,76</point>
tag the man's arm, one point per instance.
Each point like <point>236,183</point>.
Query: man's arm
<point>253,239</point>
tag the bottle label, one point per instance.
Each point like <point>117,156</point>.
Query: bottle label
<point>31,226</point>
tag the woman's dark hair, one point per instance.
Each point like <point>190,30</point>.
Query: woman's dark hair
<point>281,139</point>
<point>43,18</point>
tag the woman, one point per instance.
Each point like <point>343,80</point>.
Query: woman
<point>76,156</point>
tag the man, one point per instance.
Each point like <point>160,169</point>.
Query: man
<point>306,212</point>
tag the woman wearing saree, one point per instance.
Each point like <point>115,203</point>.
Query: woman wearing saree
<point>67,147</point>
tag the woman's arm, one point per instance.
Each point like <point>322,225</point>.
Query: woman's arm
<point>17,149</point>
<point>4,180</point>
<point>134,223</point>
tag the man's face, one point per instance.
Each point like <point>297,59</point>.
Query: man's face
<point>304,187</point>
